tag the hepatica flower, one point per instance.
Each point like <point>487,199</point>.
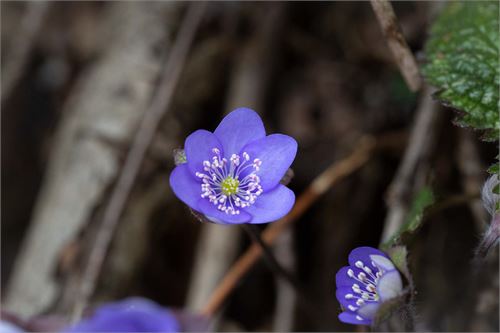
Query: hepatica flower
<point>129,315</point>
<point>232,175</point>
<point>369,280</point>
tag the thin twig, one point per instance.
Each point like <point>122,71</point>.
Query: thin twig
<point>269,256</point>
<point>318,187</point>
<point>143,138</point>
<point>305,303</point>
<point>404,183</point>
<point>286,297</point>
<point>472,175</point>
<point>17,58</point>
<point>453,201</point>
<point>397,43</point>
<point>411,174</point>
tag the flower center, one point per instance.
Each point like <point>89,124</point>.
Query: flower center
<point>230,185</point>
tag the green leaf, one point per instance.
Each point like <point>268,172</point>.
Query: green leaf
<point>399,255</point>
<point>423,199</point>
<point>180,156</point>
<point>494,169</point>
<point>463,62</point>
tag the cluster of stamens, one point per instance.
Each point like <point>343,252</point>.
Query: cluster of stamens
<point>366,290</point>
<point>230,185</point>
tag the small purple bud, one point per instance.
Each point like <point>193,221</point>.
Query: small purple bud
<point>370,279</point>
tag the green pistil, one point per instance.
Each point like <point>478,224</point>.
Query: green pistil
<point>229,186</point>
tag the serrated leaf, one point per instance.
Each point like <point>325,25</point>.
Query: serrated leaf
<point>463,62</point>
<point>423,199</point>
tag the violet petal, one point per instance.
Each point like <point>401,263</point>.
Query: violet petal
<point>198,147</point>
<point>217,216</point>
<point>272,205</point>
<point>389,285</point>
<point>185,186</point>
<point>363,254</point>
<point>349,317</point>
<point>239,128</point>
<point>277,152</point>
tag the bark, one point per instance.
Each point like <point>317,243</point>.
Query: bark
<point>102,112</point>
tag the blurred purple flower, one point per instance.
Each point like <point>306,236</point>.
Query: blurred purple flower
<point>233,175</point>
<point>7,327</point>
<point>369,280</point>
<point>129,315</point>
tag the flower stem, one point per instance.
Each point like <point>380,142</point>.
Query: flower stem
<point>273,263</point>
<point>305,303</point>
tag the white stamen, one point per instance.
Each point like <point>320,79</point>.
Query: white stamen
<point>239,191</point>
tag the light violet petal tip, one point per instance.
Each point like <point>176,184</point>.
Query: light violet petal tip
<point>390,285</point>
<point>238,128</point>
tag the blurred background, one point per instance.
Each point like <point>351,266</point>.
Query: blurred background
<point>77,78</point>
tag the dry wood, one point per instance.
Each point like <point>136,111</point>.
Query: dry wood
<point>473,175</point>
<point>18,56</point>
<point>397,43</point>
<point>104,107</point>
<point>285,295</point>
<point>143,138</point>
<point>410,174</point>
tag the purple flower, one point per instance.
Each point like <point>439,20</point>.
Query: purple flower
<point>129,315</point>
<point>233,175</point>
<point>369,280</point>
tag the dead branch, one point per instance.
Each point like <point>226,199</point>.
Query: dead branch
<point>102,108</point>
<point>143,139</point>
<point>473,175</point>
<point>397,43</point>
<point>285,295</point>
<point>408,178</point>
<point>32,20</point>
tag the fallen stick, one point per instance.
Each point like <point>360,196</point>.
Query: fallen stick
<point>397,43</point>
<point>143,139</point>
<point>26,35</point>
<point>407,180</point>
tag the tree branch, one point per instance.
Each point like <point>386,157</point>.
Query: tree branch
<point>397,43</point>
<point>143,138</point>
